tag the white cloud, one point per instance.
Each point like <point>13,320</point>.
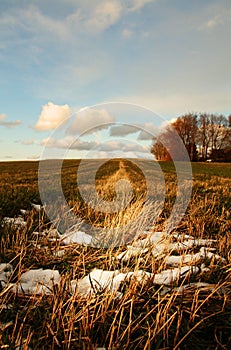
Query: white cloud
<point>34,157</point>
<point>105,15</point>
<point>118,150</point>
<point>7,124</point>
<point>150,130</point>
<point>146,131</point>
<point>81,145</point>
<point>29,142</point>
<point>52,116</point>
<point>123,130</point>
<point>96,149</point>
<point>93,16</point>
<point>88,118</point>
<point>122,146</point>
<point>108,13</point>
<point>213,22</point>
<point>69,143</point>
<point>221,18</point>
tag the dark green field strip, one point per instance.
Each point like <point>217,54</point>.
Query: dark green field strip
<point>19,167</point>
<point>212,169</point>
<point>19,179</point>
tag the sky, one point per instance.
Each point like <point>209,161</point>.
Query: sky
<point>154,59</point>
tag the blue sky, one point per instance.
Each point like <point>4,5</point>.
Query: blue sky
<point>56,57</point>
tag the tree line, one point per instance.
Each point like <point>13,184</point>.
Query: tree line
<point>205,137</point>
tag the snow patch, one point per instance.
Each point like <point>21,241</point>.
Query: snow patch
<point>79,237</point>
<point>37,282</point>
<point>16,222</point>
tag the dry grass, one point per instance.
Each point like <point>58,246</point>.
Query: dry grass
<point>143,318</point>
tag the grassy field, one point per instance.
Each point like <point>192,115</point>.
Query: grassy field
<point>143,318</point>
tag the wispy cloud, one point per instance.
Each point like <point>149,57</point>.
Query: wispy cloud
<point>7,124</point>
<point>108,13</point>
<point>84,52</point>
<point>31,20</point>
<point>118,148</point>
<point>104,15</point>
<point>29,142</point>
<point>217,20</point>
<point>34,157</point>
<point>95,16</point>
<point>69,143</point>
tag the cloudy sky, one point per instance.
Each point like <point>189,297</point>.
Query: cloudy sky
<point>56,57</point>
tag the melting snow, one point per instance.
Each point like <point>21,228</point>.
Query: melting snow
<point>37,207</point>
<point>175,260</point>
<point>131,252</point>
<point>161,246</point>
<point>37,281</point>
<point>111,280</point>
<point>169,276</point>
<point>99,279</point>
<point>18,221</point>
<point>73,237</point>
<point>79,237</point>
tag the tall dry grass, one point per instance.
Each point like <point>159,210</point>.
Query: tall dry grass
<point>144,317</point>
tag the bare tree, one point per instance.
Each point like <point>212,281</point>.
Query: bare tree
<point>203,136</point>
<point>186,127</point>
<point>229,118</point>
<point>169,146</point>
<point>160,151</point>
<point>218,131</point>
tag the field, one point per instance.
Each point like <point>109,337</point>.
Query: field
<point>191,311</point>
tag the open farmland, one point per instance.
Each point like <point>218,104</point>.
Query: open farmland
<point>161,292</point>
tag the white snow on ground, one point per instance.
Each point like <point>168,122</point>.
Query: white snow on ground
<point>37,282</point>
<point>37,207</point>
<point>131,252</point>
<point>190,243</point>
<point>70,237</point>
<point>162,246</point>
<point>99,279</point>
<point>79,237</point>
<point>18,221</point>
<point>204,253</point>
<point>183,263</point>
<point>169,276</point>
<point>23,211</point>
<point>152,238</point>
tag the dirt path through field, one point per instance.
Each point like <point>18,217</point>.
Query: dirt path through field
<point>121,173</point>
<point>109,183</point>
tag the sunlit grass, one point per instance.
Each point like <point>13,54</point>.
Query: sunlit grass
<point>143,318</point>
